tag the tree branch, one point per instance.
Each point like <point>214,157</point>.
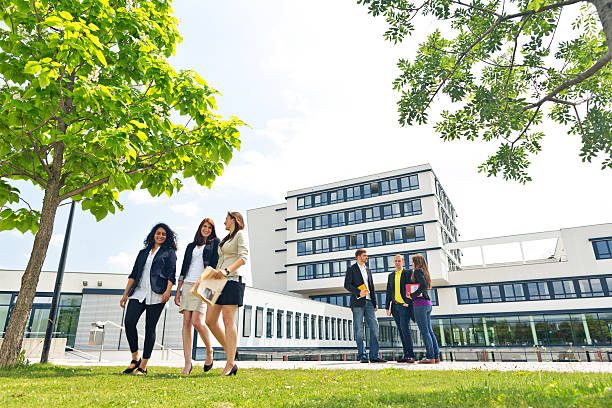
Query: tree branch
<point>491,12</point>
<point>575,80</point>
<point>22,172</point>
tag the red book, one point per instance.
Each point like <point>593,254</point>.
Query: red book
<point>411,288</point>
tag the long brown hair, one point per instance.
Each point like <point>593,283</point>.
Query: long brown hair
<point>239,221</point>
<point>199,238</point>
<point>420,263</point>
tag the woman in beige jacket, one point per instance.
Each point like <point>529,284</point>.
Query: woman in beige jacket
<point>233,252</point>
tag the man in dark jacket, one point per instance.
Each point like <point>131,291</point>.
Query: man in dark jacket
<point>400,306</point>
<point>358,281</point>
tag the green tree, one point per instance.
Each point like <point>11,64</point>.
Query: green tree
<point>503,67</point>
<point>88,99</point>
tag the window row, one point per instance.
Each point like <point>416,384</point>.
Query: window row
<point>444,199</point>
<point>344,299</point>
<point>545,290</point>
<point>602,248</point>
<point>449,224</point>
<point>369,239</point>
<point>334,269</point>
<point>367,190</point>
<point>294,325</point>
<point>360,215</point>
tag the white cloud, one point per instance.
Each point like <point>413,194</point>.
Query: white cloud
<point>122,261</point>
<point>57,240</point>
<point>189,209</point>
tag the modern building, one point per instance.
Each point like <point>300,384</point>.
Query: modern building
<point>548,288</point>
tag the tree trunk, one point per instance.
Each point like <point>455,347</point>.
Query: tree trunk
<point>604,10</point>
<point>13,338</point>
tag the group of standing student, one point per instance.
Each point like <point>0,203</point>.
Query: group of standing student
<point>400,304</point>
<point>153,275</point>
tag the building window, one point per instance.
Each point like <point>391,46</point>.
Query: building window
<point>259,322</point>
<point>246,321</point>
<point>269,319</point>
<point>467,295</point>
<point>409,182</point>
<point>279,324</point>
<point>376,264</point>
<point>564,289</point>
<point>350,330</point>
<point>298,324</point>
<point>320,327</point>
<point>337,220</point>
<point>305,248</point>
<point>372,214</point>
<point>514,292</point>
<point>333,328</point>
<point>538,291</point>
<point>490,294</point>
<point>433,296</point>
<point>339,321</point>
<point>603,248</point>
<point>313,327</point>
<point>327,328</point>
<point>412,208</point>
<point>344,329</point>
<point>590,287</point>
<point>289,324</point>
<point>306,318</point>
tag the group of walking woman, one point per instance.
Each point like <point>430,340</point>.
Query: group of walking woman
<point>153,276</point>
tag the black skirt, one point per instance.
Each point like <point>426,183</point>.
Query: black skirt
<point>232,293</point>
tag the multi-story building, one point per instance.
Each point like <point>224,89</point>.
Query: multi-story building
<point>547,288</point>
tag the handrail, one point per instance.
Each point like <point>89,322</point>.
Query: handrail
<point>163,348</point>
<point>79,351</point>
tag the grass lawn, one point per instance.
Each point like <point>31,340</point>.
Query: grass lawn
<point>53,386</point>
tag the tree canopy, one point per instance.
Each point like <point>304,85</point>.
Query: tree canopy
<point>501,66</point>
<point>91,107</point>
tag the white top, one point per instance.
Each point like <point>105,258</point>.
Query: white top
<point>234,249</point>
<point>143,292</point>
<point>364,275</point>
<point>196,267</point>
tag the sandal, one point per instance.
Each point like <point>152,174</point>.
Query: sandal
<point>141,371</point>
<point>129,370</point>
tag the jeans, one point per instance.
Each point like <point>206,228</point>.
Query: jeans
<point>422,315</point>
<point>401,315</point>
<point>132,315</point>
<point>370,318</point>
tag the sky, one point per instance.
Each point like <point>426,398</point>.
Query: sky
<point>313,80</point>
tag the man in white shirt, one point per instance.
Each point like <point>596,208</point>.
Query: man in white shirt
<point>358,281</point>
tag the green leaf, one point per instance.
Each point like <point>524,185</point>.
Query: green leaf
<point>65,15</point>
<point>32,67</point>
<point>138,124</point>
<point>100,56</point>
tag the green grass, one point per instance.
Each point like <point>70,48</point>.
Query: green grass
<point>53,386</point>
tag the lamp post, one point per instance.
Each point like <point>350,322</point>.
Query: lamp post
<point>56,291</point>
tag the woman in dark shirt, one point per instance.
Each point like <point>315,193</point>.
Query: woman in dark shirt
<point>422,309</point>
<point>200,253</point>
<point>148,289</point>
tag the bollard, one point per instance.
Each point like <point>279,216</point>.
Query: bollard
<point>539,355</point>
<point>285,358</point>
<point>393,356</point>
<point>319,357</point>
<point>484,356</point>
<point>599,356</point>
<point>344,357</point>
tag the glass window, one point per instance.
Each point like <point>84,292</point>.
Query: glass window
<point>301,225</point>
<point>410,234</point>
<point>590,287</point>
<point>433,296</point>
<point>376,264</point>
<point>514,292</point>
<point>320,327</point>
<point>279,324</point>
<point>387,212</point>
<point>307,201</point>
<point>313,327</point>
<point>259,322</point>
<point>490,294</point>
<point>269,319</point>
<point>321,245</point>
<point>306,318</point>
<point>344,329</point>
<point>304,248</point>
<point>289,324</point>
<point>300,203</point>
<point>374,238</point>
<point>337,219</point>
<point>298,324</point>
<point>327,328</point>
<point>609,283</point>
<point>564,289</point>
<point>333,328</point>
<point>350,330</point>
<point>246,321</point>
<point>374,188</point>
<point>538,291</point>
<point>603,249</point>
<point>467,295</point>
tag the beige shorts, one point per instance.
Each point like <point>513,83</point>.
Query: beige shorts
<point>191,302</point>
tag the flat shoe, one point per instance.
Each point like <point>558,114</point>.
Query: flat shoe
<point>129,370</point>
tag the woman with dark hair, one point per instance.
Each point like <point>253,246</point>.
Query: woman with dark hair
<point>233,253</point>
<point>148,289</point>
<point>200,253</point>
<point>422,309</point>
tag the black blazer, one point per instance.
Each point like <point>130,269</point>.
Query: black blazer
<point>404,280</point>
<point>419,277</point>
<point>163,269</point>
<point>352,280</point>
<point>210,256</point>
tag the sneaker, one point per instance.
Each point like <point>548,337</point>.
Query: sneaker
<point>364,360</point>
<point>377,360</point>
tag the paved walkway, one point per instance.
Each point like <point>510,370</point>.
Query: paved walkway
<point>592,367</point>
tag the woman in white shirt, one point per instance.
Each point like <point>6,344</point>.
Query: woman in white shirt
<point>148,289</point>
<point>233,253</point>
<point>200,253</point>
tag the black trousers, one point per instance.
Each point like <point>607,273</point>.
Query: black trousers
<point>132,315</point>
